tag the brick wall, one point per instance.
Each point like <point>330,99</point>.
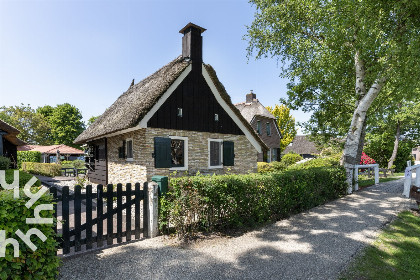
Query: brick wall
<point>142,167</point>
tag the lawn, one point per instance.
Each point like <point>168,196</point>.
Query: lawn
<point>23,178</point>
<point>364,181</point>
<point>394,255</point>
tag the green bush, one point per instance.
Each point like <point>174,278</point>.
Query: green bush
<point>4,163</point>
<point>264,167</point>
<point>290,158</point>
<point>23,178</point>
<point>73,163</point>
<point>235,201</point>
<point>28,156</point>
<point>45,169</point>
<point>332,161</point>
<point>41,264</point>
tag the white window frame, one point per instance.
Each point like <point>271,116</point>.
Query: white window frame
<point>132,149</point>
<point>185,167</point>
<point>221,153</point>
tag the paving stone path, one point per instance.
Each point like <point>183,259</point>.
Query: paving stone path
<point>317,244</point>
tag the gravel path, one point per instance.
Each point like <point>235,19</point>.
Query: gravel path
<point>317,244</point>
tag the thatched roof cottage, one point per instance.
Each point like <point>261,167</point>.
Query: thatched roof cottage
<point>264,124</point>
<point>178,119</point>
<point>303,146</point>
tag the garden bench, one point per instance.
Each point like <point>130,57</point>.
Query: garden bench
<point>68,171</point>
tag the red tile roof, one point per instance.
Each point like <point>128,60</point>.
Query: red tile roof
<point>64,149</point>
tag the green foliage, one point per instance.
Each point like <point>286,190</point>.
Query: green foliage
<point>275,166</point>
<point>286,124</point>
<point>264,167</point>
<point>331,161</point>
<point>237,201</point>
<point>4,163</point>
<point>291,158</point>
<point>23,178</point>
<point>66,124</point>
<point>73,163</point>
<point>91,120</point>
<point>41,264</point>
<point>28,156</point>
<point>45,169</point>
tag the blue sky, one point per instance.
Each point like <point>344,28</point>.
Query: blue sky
<point>87,52</point>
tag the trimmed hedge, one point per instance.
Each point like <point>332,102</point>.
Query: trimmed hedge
<point>291,158</point>
<point>4,163</point>
<point>28,156</point>
<point>235,201</point>
<point>41,264</point>
<point>23,178</point>
<point>46,169</point>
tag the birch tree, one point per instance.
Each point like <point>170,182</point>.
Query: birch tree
<point>340,55</point>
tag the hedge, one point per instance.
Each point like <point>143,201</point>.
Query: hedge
<point>234,201</point>
<point>46,169</point>
<point>23,178</point>
<point>4,163</point>
<point>40,264</point>
<point>28,156</point>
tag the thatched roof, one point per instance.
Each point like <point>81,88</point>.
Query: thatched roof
<point>12,132</point>
<point>134,104</point>
<point>301,145</point>
<point>255,108</point>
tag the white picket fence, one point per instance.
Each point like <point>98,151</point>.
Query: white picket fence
<point>415,169</point>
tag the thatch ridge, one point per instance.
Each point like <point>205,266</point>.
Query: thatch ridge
<point>222,90</point>
<point>133,105</point>
<point>12,132</point>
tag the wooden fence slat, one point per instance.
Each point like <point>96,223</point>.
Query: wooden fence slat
<point>137,193</point>
<point>66,220</point>
<point>89,224</point>
<point>145,210</point>
<point>119,213</point>
<point>128,213</point>
<point>99,214</point>
<point>77,217</point>
<point>109,221</point>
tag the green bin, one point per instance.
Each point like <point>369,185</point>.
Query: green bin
<point>162,182</point>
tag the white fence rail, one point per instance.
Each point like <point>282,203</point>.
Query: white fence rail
<point>408,177</point>
<point>375,167</point>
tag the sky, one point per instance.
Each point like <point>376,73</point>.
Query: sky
<point>86,53</point>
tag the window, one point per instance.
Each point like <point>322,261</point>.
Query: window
<point>273,154</point>
<point>179,112</point>
<point>179,153</point>
<point>258,127</point>
<point>216,117</point>
<point>268,129</point>
<point>129,149</point>
<point>215,153</point>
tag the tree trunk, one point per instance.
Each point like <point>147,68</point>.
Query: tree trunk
<point>355,137</point>
<point>396,143</point>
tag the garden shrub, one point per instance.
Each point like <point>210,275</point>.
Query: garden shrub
<point>263,167</point>
<point>236,201</point>
<point>28,156</point>
<point>73,163</point>
<point>275,166</point>
<point>365,159</point>
<point>23,178</point>
<point>45,169</point>
<point>291,158</point>
<point>331,161</point>
<point>4,163</point>
<point>40,264</point>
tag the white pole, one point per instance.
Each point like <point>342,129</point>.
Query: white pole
<point>407,182</point>
<point>417,181</point>
<point>376,174</point>
<point>356,177</point>
<point>153,209</point>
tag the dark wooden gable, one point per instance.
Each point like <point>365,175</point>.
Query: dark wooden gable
<point>199,107</point>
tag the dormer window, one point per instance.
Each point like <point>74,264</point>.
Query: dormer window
<point>216,117</point>
<point>180,112</point>
<point>268,129</point>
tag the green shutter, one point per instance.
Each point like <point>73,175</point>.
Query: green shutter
<point>162,152</point>
<point>228,153</point>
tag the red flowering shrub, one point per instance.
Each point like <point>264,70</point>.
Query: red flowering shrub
<point>365,159</point>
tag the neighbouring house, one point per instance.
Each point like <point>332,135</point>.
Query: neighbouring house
<point>264,124</point>
<point>416,155</point>
<point>49,153</point>
<point>9,142</point>
<point>178,119</point>
<point>302,146</point>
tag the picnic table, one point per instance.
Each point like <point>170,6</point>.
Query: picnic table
<point>71,171</point>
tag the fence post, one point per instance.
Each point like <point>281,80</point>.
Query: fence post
<point>152,196</point>
<point>407,182</point>
<point>376,174</point>
<point>417,181</point>
<point>356,177</point>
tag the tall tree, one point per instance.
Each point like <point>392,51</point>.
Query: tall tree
<point>91,120</point>
<point>66,124</point>
<point>341,55</point>
<point>33,127</point>
<point>286,124</point>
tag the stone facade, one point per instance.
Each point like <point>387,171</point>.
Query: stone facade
<point>141,168</point>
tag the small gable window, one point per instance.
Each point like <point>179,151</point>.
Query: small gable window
<point>268,129</point>
<point>129,149</point>
<point>179,112</point>
<point>216,117</point>
<point>258,127</point>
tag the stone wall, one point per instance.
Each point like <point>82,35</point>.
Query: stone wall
<point>142,167</point>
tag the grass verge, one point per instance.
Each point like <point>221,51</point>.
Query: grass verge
<point>394,255</point>
<point>366,182</point>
